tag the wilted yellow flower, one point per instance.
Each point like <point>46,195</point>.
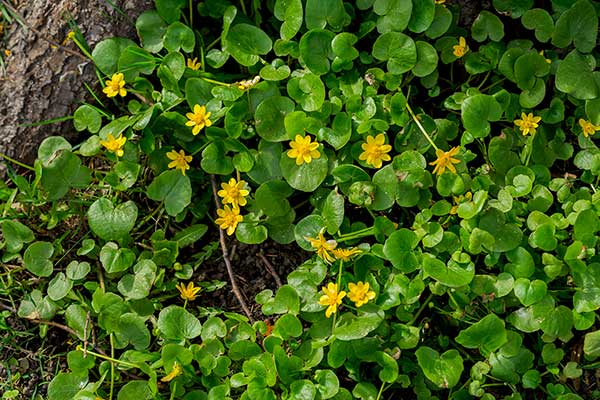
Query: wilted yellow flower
<point>439,1</point>
<point>549,61</point>
<point>359,293</point>
<point>193,64</point>
<point>461,48</point>
<point>331,298</point>
<point>322,246</point>
<point>233,192</point>
<point>303,150</point>
<point>229,218</point>
<point>528,123</point>
<point>445,160</point>
<point>375,151</point>
<point>587,127</point>
<point>180,160</point>
<point>345,254</point>
<point>247,84</point>
<point>175,372</point>
<point>115,86</point>
<point>460,199</point>
<point>188,292</point>
<point>198,119</point>
<point>7,52</point>
<point>114,145</point>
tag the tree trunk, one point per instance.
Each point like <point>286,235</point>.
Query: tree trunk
<point>43,81</point>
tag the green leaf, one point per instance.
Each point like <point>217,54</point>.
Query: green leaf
<point>76,271</point>
<point>579,25</point>
<point>487,335</point>
<point>476,111</point>
<point>177,324</point>
<point>276,71</point>
<point>287,326</point>
<point>398,248</point>
<point>427,59</point>
<point>302,389</point>
<point>139,390</point>
<point>333,212</point>
<point>290,13</point>
<point>251,233</point>
<point>170,10</point>
<point>66,385</point>
<point>352,327</point>
<point>246,42</point>
<point>540,20</point>
<point>15,234</point>
<point>179,36</point>
<point>134,61</point>
<point>389,367</point>
<point>316,51</point>
<point>343,46</point>
<point>114,259</point>
<point>107,52</point>
<point>151,29</point>
<point>285,301</point>
<point>441,22</point>
<point>574,76</point>
<point>87,117</point>
<point>137,285</point>
<point>450,274</point>
<point>306,177</point>
<point>36,258</point>
<point>174,189</point>
<point>190,235</point>
<point>308,91</point>
<point>270,116</point>
<point>443,370</point>
<point>398,50</point>
<point>591,344</point>
<point>394,14</point>
<point>215,160</point>
<point>309,226</point>
<point>529,292</point>
<point>109,222</point>
<point>63,173</point>
<point>59,287</point>
<point>321,13</point>
<point>487,25</point>
<point>422,15</point>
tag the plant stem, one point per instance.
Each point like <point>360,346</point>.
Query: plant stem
<point>234,286</point>
<point>215,82</point>
<point>412,321</point>
<point>20,164</point>
<point>112,367</point>
<point>107,358</point>
<point>380,391</point>
<point>423,131</point>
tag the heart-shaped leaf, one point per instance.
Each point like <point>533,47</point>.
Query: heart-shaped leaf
<point>443,370</point>
<point>110,222</point>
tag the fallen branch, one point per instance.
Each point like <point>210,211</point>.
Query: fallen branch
<point>234,287</point>
<point>270,268</point>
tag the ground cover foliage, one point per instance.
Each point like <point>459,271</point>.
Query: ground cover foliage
<point>444,176</point>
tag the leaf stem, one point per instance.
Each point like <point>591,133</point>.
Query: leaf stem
<point>20,164</point>
<point>423,131</point>
<point>425,303</point>
<point>380,391</point>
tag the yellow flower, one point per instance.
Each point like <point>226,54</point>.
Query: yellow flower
<point>587,127</point>
<point>115,86</point>
<point>439,1</point>
<point>322,246</point>
<point>7,52</point>
<point>360,294</point>
<point>445,160</point>
<point>180,160</point>
<point>375,150</point>
<point>528,123</point>
<point>198,119</point>
<point>193,64</point>
<point>345,254</point>
<point>189,292</point>
<point>460,199</point>
<point>229,218</point>
<point>303,150</point>
<point>461,48</point>
<point>114,145</point>
<point>175,372</point>
<point>332,298</point>
<point>233,192</point>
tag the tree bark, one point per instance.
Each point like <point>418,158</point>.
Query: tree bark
<point>43,81</point>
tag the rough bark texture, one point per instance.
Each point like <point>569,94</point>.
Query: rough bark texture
<point>44,82</point>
